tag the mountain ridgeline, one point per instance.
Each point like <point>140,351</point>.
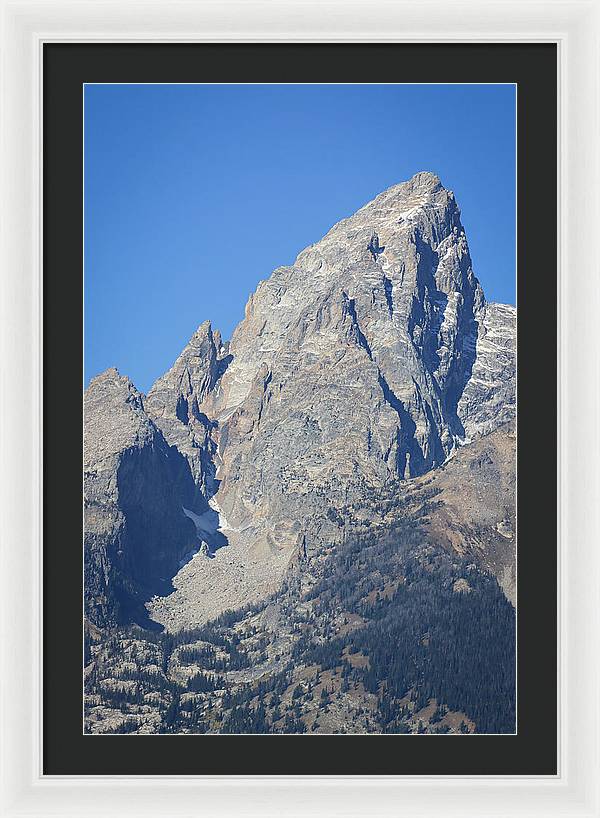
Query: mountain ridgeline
<point>364,406</point>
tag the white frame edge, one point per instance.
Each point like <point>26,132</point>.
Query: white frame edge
<point>575,26</point>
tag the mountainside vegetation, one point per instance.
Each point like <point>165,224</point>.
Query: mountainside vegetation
<point>387,632</point>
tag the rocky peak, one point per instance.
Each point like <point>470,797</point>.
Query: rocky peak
<point>174,402</point>
<point>180,391</point>
<point>403,261</point>
<point>394,282</point>
<point>114,408</point>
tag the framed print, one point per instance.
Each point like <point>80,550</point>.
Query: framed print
<point>306,523</point>
<point>306,387</point>
<point>274,539</point>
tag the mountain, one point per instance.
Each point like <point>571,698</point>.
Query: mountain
<point>362,413</point>
<point>373,357</point>
<point>134,486</point>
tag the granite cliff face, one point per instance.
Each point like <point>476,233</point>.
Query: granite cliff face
<point>372,359</point>
<point>489,397</point>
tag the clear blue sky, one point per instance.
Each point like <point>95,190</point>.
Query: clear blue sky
<point>194,193</point>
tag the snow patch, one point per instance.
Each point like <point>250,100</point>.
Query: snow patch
<point>207,523</point>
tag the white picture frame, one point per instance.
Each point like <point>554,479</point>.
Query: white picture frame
<point>575,26</point>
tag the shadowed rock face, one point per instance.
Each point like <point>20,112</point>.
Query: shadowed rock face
<point>371,359</point>
<point>136,535</point>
